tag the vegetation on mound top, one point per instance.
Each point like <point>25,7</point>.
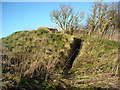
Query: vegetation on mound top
<point>33,54</point>
<point>97,57</point>
<point>95,52</point>
<point>35,59</point>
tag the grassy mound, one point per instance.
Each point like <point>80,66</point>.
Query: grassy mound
<point>35,59</point>
<point>97,64</point>
<point>33,54</point>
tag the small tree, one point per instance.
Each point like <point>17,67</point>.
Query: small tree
<point>66,18</point>
<point>102,18</point>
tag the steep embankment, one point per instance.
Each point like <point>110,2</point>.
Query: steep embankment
<point>33,57</point>
<point>97,64</point>
<point>37,59</point>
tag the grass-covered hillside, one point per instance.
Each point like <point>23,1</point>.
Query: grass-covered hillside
<point>35,60</point>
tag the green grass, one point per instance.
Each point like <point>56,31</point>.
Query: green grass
<point>96,55</point>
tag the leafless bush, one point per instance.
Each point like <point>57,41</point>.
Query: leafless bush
<point>66,18</point>
<point>103,18</point>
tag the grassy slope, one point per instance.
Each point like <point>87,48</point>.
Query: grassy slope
<point>42,53</point>
<point>33,54</point>
<point>96,64</point>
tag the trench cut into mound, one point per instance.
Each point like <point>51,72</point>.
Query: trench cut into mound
<point>75,48</point>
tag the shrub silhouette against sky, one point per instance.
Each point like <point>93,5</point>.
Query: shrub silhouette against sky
<point>66,18</point>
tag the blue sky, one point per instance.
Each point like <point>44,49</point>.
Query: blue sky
<point>18,16</point>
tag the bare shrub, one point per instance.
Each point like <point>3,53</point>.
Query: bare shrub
<point>66,18</point>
